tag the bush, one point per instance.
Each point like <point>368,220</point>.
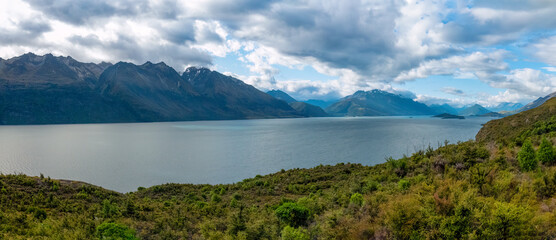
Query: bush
<point>546,152</point>
<point>526,156</point>
<point>290,233</point>
<point>507,221</point>
<point>458,225</point>
<point>403,185</point>
<point>108,209</point>
<point>356,199</point>
<point>292,214</point>
<point>114,231</point>
<point>405,219</point>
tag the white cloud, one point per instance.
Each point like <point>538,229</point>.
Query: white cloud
<point>526,82</point>
<point>477,64</point>
<point>363,44</point>
<point>545,50</point>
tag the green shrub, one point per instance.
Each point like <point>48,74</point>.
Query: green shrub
<point>356,199</point>
<point>292,214</point>
<point>108,209</point>
<point>546,153</point>
<point>215,198</point>
<point>403,185</point>
<point>371,186</point>
<point>290,233</point>
<point>405,219</point>
<point>508,221</point>
<point>526,156</point>
<point>458,225</point>
<point>114,231</point>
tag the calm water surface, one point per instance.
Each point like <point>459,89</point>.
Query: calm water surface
<point>123,157</point>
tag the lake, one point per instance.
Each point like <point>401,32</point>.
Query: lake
<point>123,157</point>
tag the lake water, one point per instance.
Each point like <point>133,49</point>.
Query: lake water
<point>123,157</point>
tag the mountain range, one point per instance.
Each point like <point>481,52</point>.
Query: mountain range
<point>48,89</point>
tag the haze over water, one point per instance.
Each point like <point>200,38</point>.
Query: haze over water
<point>123,157</point>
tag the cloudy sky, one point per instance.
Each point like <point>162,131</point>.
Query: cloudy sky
<point>436,51</point>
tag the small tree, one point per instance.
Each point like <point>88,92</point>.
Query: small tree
<point>546,153</point>
<point>292,214</point>
<point>526,156</point>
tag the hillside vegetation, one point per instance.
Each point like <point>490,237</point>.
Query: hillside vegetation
<point>516,128</point>
<point>489,189</point>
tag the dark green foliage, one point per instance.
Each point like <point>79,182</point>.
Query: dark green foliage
<point>458,225</point>
<point>114,231</point>
<point>292,214</point>
<point>399,167</point>
<point>108,209</point>
<point>526,157</point>
<point>546,153</point>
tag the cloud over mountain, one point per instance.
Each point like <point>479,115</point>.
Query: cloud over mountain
<point>361,44</point>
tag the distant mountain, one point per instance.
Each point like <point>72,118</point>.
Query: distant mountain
<point>308,110</point>
<point>281,95</point>
<point>506,107</point>
<point>536,103</point>
<point>444,108</point>
<point>305,109</point>
<point>474,110</point>
<point>377,103</point>
<point>321,103</point>
<point>47,89</point>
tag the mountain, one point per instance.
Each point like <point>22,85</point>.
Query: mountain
<point>281,95</point>
<point>47,69</point>
<point>444,108</point>
<point>377,103</point>
<point>308,110</point>
<point>234,99</point>
<point>506,107</point>
<point>321,103</point>
<point>48,89</point>
<point>153,92</point>
<point>474,110</point>
<point>536,103</point>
